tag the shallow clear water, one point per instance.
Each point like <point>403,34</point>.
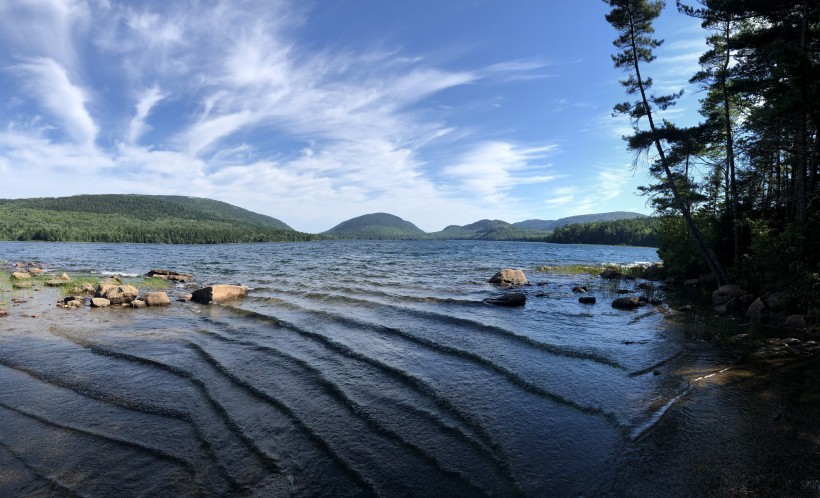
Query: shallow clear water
<point>353,368</point>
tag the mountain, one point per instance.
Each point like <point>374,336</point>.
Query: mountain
<point>137,218</point>
<point>572,220</point>
<point>488,230</point>
<point>376,226</point>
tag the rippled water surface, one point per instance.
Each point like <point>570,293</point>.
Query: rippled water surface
<point>352,368</point>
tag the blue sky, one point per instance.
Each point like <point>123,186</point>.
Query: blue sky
<point>314,112</point>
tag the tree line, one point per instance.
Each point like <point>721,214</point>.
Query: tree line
<point>736,194</point>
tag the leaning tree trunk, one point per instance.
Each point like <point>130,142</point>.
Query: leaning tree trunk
<point>700,242</point>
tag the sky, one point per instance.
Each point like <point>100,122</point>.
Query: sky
<point>316,111</point>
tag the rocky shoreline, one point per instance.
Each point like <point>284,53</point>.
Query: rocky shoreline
<point>115,291</point>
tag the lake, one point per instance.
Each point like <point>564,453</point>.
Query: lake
<point>352,368</point>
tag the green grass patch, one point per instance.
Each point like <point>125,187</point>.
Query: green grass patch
<point>627,270</point>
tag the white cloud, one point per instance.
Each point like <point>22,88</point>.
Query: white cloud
<point>48,82</point>
<point>146,101</point>
<point>491,169</point>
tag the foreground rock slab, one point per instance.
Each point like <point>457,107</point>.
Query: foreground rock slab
<point>509,300</point>
<point>219,293</point>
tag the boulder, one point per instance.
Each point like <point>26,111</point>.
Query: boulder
<point>19,265</point>
<point>185,298</point>
<point>645,286</point>
<point>579,289</point>
<point>156,299</point>
<point>775,300</point>
<point>655,301</point>
<point>65,277</point>
<point>87,288</point>
<point>170,275</point>
<point>55,282</point>
<point>138,303</point>
<point>219,293</point>
<point>511,300</point>
<point>653,272</point>
<point>610,274</point>
<point>509,278</point>
<point>99,302</point>
<point>795,322</point>
<point>626,303</point>
<point>75,303</point>
<point>587,300</point>
<point>117,294</point>
<point>20,275</point>
<point>725,293</point>
<point>757,310</point>
<point>35,271</point>
<point>692,282</point>
<point>68,299</point>
<point>22,285</point>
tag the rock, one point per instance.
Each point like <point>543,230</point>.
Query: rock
<point>653,272</point>
<point>645,286</point>
<point>138,303</point>
<point>170,275</point>
<point>87,288</point>
<point>67,299</point>
<point>35,271</point>
<point>587,300</point>
<point>19,265</point>
<point>99,302</point>
<point>184,298</point>
<point>579,289</point>
<point>626,303</point>
<point>117,294</point>
<point>20,275</point>
<point>721,309</point>
<point>74,303</point>
<point>156,299</point>
<point>795,322</point>
<point>509,278</point>
<point>692,282</point>
<point>791,341</point>
<point>775,300</point>
<point>622,291</point>
<point>219,293</point>
<point>610,274</point>
<point>685,309</point>
<point>65,277</point>
<point>22,285</point>
<point>511,300</point>
<point>643,299</point>
<point>727,292</point>
<point>655,301</point>
<point>756,310</point>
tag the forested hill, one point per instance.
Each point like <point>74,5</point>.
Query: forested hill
<point>376,226</point>
<point>138,218</point>
<point>573,220</point>
<point>634,232</point>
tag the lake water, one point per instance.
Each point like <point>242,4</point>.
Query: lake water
<point>352,368</point>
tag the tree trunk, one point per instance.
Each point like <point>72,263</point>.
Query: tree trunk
<point>702,247</point>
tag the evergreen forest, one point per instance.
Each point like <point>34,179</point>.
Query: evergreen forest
<point>737,194</point>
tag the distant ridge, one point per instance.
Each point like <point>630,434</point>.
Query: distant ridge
<point>572,220</point>
<point>376,226</point>
<point>137,218</point>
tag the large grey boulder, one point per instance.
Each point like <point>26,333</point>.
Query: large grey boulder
<point>509,278</point>
<point>219,293</point>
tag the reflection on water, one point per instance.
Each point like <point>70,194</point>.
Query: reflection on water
<point>353,368</point>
